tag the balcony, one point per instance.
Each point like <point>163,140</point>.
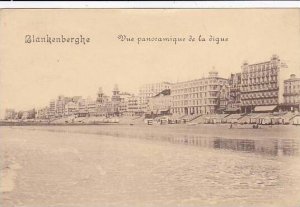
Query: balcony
<point>291,94</point>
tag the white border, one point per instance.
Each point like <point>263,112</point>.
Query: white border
<point>151,4</point>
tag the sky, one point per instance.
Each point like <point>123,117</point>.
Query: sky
<point>32,74</point>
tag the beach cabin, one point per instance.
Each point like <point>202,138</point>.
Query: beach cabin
<point>164,120</point>
<point>296,120</point>
<point>244,120</point>
<point>289,117</point>
<point>265,120</point>
<point>233,118</point>
<point>149,121</point>
<point>254,120</point>
<point>277,120</point>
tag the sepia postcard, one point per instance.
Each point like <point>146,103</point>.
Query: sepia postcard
<point>150,107</point>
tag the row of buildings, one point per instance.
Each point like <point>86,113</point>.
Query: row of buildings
<point>258,87</point>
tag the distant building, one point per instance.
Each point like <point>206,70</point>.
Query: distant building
<point>124,98</point>
<point>42,113</point>
<point>292,93</point>
<point>262,86</point>
<point>52,109</point>
<point>115,101</point>
<point>91,107</point>
<point>82,108</point>
<point>223,98</point>
<point>71,108</point>
<point>60,106</point>
<point>30,114</point>
<point>234,102</point>
<point>133,107</point>
<point>161,103</point>
<point>115,94</point>
<point>10,114</point>
<point>149,90</point>
<point>199,96</point>
<point>65,106</point>
<point>101,97</point>
<point>101,103</point>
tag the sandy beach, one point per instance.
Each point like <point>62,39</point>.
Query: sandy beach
<point>129,166</point>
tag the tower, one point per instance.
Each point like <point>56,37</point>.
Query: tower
<point>100,96</point>
<point>116,94</point>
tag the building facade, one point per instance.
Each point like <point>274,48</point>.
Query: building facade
<point>262,85</point>
<point>101,103</point>
<point>30,114</point>
<point>133,107</point>
<point>115,101</point>
<point>82,108</point>
<point>199,96</point>
<point>10,114</point>
<point>60,106</point>
<point>291,93</point>
<point>161,103</point>
<point>43,113</point>
<point>124,98</point>
<point>91,106</point>
<point>52,110</point>
<point>71,108</point>
<point>234,102</point>
<point>149,90</point>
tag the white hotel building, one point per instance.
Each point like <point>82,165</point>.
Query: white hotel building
<point>207,95</point>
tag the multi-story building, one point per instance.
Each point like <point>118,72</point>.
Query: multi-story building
<point>133,107</point>
<point>101,103</point>
<point>115,101</point>
<point>71,108</point>
<point>30,114</point>
<point>91,107</point>
<point>71,105</point>
<point>292,93</point>
<point>52,110</point>
<point>224,96</point>
<point>65,106</point>
<point>82,108</point>
<point>101,97</point>
<point>234,102</point>
<point>60,106</point>
<point>124,97</point>
<point>43,113</point>
<point>161,103</point>
<point>199,96</point>
<point>148,90</point>
<point>262,85</point>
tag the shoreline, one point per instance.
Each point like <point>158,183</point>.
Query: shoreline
<point>3,123</point>
<point>52,124</point>
<point>174,130</point>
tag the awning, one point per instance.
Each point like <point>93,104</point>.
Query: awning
<point>265,108</point>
